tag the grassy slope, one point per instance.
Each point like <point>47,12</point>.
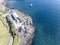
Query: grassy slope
<point>4,32</point>
<point>3,11</point>
<point>16,41</point>
<point>14,32</point>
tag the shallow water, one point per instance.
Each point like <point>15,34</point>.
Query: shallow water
<point>46,17</point>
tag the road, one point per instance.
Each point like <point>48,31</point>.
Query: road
<point>11,40</point>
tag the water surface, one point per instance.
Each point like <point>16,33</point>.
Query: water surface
<point>46,17</point>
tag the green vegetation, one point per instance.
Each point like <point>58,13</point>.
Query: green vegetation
<point>3,21</point>
<point>15,42</point>
<point>14,34</point>
<point>4,32</point>
<point>3,11</point>
<point>12,25</point>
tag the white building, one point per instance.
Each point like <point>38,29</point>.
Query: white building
<point>15,15</point>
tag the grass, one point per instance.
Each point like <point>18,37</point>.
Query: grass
<point>13,28</point>
<point>15,42</point>
<point>4,32</point>
<point>3,11</point>
<point>14,34</point>
<point>12,25</point>
<point>3,21</point>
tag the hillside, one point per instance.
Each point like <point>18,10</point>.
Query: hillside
<point>4,32</point>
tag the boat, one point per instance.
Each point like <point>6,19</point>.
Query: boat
<point>31,5</point>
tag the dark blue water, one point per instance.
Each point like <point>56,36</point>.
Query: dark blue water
<point>46,17</point>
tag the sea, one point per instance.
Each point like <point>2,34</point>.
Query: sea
<point>46,17</point>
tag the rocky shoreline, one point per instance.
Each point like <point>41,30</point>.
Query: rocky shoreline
<point>21,26</point>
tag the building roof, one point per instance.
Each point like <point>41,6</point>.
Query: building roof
<point>15,14</point>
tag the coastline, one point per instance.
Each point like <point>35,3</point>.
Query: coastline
<point>26,34</point>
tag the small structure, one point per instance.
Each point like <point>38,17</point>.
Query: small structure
<point>15,15</point>
<point>31,5</point>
